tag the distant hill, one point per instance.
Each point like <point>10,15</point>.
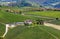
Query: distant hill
<point>36,3</point>
<point>20,3</point>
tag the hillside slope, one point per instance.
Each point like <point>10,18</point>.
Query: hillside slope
<point>6,17</point>
<point>2,29</point>
<point>28,33</point>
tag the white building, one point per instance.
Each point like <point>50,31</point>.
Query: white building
<point>28,22</point>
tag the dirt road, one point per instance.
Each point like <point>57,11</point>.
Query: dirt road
<point>52,25</point>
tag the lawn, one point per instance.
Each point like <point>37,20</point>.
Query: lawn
<point>24,32</point>
<point>51,30</point>
<point>53,14</point>
<point>6,17</point>
<point>38,32</point>
<point>2,29</point>
<point>47,14</point>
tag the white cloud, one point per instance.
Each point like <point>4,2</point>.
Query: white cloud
<point>55,3</point>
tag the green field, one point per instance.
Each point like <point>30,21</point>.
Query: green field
<point>2,29</point>
<point>6,17</point>
<point>53,14</point>
<point>38,32</point>
<point>25,32</point>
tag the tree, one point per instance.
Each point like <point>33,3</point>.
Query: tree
<point>40,22</point>
<point>57,18</point>
<point>7,10</point>
<point>0,6</point>
<point>20,12</point>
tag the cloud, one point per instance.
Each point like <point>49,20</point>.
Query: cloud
<point>55,3</point>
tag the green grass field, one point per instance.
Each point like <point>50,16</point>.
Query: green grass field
<point>47,14</point>
<point>24,32</point>
<point>53,14</point>
<point>2,29</point>
<point>38,32</point>
<point>6,17</point>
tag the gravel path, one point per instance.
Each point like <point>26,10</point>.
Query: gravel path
<point>52,25</point>
<point>7,28</point>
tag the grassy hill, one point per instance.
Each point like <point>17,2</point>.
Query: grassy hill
<point>24,32</point>
<point>52,14</point>
<point>2,29</point>
<point>47,14</point>
<point>6,17</point>
<point>38,32</point>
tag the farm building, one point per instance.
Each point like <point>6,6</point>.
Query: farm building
<point>28,22</point>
